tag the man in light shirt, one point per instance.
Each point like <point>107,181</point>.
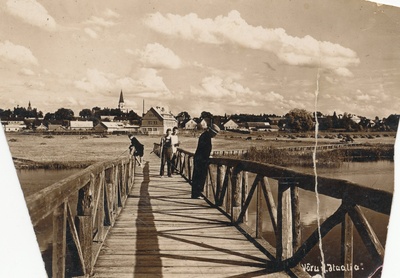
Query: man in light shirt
<point>175,145</point>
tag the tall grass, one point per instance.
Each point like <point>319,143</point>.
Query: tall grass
<point>325,158</point>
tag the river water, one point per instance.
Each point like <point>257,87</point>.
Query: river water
<point>379,175</point>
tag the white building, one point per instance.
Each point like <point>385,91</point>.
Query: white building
<point>81,125</point>
<point>190,125</point>
<point>231,124</point>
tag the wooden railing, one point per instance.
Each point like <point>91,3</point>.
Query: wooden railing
<point>232,184</point>
<point>83,207</point>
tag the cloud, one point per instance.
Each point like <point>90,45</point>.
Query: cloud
<point>157,56</point>
<point>216,87</point>
<point>32,12</point>
<point>232,92</point>
<point>99,24</point>
<point>91,33</point>
<point>232,29</point>
<point>130,51</point>
<point>145,82</point>
<point>95,81</point>
<point>99,21</point>
<point>27,72</point>
<point>10,52</point>
<point>110,13</point>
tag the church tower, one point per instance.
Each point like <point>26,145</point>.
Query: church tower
<point>29,106</point>
<point>121,104</point>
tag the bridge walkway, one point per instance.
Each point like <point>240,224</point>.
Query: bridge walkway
<point>162,232</point>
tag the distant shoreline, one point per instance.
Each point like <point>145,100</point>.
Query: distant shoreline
<point>68,152</point>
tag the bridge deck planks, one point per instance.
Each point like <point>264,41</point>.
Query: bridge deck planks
<point>161,232</point>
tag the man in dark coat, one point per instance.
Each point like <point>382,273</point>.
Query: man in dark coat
<point>201,156</point>
<point>136,149</point>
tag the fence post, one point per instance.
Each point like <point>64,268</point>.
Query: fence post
<point>245,192</point>
<point>85,226</point>
<point>284,236</point>
<point>59,240</point>
<point>221,171</point>
<point>236,193</point>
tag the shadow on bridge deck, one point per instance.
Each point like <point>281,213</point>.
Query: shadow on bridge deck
<point>161,232</point>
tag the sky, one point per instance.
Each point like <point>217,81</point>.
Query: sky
<point>223,57</point>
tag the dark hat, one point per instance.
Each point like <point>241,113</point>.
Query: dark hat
<point>214,128</point>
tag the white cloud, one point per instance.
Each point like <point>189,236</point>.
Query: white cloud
<point>157,56</point>
<point>145,82</point>
<point>130,51</point>
<point>216,87</point>
<point>232,29</point>
<point>110,13</point>
<point>95,81</point>
<point>10,52</point>
<point>91,33</point>
<point>27,72</point>
<point>98,21</point>
<point>32,12</point>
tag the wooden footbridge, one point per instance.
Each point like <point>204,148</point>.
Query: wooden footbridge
<point>119,219</point>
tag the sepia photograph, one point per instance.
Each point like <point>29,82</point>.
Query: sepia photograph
<point>199,138</point>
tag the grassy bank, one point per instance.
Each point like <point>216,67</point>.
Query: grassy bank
<point>326,158</point>
<point>50,165</point>
<point>36,151</point>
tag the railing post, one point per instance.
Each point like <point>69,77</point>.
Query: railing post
<point>259,213</point>
<point>220,181</point>
<point>59,240</point>
<point>236,194</point>
<point>228,194</point>
<point>85,226</point>
<point>245,192</point>
<point>294,194</point>
<point>189,160</point>
<point>284,236</point>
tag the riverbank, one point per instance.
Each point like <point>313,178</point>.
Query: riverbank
<point>34,151</point>
<point>324,158</point>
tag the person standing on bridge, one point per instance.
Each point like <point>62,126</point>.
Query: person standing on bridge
<point>166,153</point>
<point>175,145</point>
<point>201,157</point>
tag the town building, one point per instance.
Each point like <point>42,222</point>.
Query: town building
<point>230,125</point>
<point>157,120</point>
<point>190,125</point>
<point>80,125</point>
<point>258,126</point>
<point>14,126</point>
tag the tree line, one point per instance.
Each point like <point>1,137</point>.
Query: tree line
<point>296,120</point>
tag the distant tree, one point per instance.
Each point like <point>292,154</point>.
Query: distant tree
<point>299,120</point>
<point>86,113</point>
<point>183,118</point>
<point>64,114</point>
<point>5,113</point>
<point>206,115</point>
<point>49,116</point>
<point>347,123</point>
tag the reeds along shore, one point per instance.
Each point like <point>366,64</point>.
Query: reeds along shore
<point>326,158</point>
<point>29,164</point>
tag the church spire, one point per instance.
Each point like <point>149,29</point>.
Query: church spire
<point>29,106</point>
<point>121,103</point>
